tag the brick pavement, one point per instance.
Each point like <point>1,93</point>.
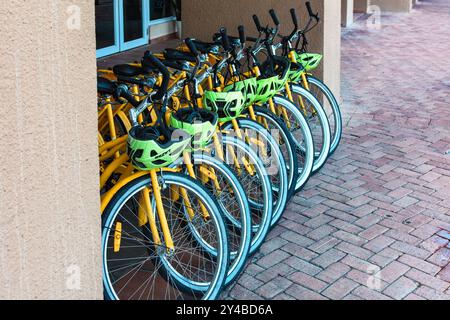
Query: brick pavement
<point>374,223</point>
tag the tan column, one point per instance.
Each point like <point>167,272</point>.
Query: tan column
<point>347,12</point>
<point>49,200</point>
<point>361,6</point>
<point>323,39</point>
<point>332,46</point>
<point>394,6</point>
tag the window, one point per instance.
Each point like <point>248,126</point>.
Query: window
<point>132,20</point>
<point>160,9</point>
<point>124,24</point>
<point>120,25</point>
<point>104,23</point>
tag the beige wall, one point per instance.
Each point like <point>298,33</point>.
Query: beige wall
<point>323,39</point>
<point>332,46</point>
<point>50,222</point>
<point>362,5</point>
<point>347,12</point>
<point>236,12</point>
<point>393,5</point>
<point>162,29</point>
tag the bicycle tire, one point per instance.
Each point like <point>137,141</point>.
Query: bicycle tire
<point>205,291</point>
<point>236,197</point>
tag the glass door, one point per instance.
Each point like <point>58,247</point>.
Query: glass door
<point>107,27</point>
<point>134,16</point>
<point>120,25</point>
<point>161,10</point>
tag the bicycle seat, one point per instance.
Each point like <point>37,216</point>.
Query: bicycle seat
<point>178,65</point>
<point>105,86</point>
<point>149,67</point>
<point>175,55</point>
<point>127,70</point>
<point>205,47</point>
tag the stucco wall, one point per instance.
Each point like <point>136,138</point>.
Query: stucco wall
<point>347,12</point>
<point>362,5</point>
<point>49,203</point>
<point>332,46</point>
<point>216,13</point>
<point>162,29</point>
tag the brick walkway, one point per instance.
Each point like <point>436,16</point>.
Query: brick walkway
<point>383,200</point>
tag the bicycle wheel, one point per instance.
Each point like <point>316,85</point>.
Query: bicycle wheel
<point>256,184</point>
<point>220,180</point>
<point>137,268</point>
<point>266,147</point>
<point>317,121</point>
<point>285,141</point>
<point>329,103</point>
<point>301,134</point>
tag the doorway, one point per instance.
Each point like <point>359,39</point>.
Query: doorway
<point>124,24</point>
<point>120,25</point>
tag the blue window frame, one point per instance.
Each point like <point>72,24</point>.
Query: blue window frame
<point>123,24</point>
<point>161,9</point>
<point>107,17</point>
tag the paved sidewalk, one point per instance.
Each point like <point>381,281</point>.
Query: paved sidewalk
<point>375,223</point>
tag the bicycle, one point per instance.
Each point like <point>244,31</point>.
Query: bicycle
<point>237,264</point>
<point>175,205</point>
<point>258,202</point>
<point>299,54</point>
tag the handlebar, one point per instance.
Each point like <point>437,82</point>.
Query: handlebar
<point>298,33</point>
<point>225,39</point>
<point>294,18</point>
<point>191,46</point>
<point>140,82</point>
<point>257,23</point>
<point>242,34</point>
<point>118,91</point>
<point>295,21</point>
<point>311,12</point>
<point>152,60</point>
<point>122,91</point>
<point>308,6</point>
<point>270,33</point>
<point>274,17</point>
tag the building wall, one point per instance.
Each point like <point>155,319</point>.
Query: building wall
<point>347,12</point>
<point>236,12</point>
<point>50,230</point>
<point>332,46</point>
<point>323,39</point>
<point>163,29</point>
<point>362,5</point>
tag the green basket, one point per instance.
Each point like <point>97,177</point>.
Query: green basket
<point>146,154</point>
<point>309,61</point>
<point>201,132</point>
<point>266,89</point>
<point>228,105</point>
<point>247,87</point>
<point>281,81</point>
<point>295,73</point>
